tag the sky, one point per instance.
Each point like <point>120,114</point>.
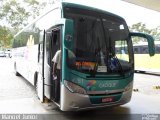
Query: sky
<point>130,12</point>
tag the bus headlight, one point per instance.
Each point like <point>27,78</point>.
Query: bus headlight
<point>74,88</point>
<point>128,87</point>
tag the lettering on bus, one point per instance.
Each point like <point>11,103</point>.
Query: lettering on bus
<point>85,65</point>
<point>107,85</point>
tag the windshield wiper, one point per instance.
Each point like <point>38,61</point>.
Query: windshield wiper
<point>106,44</point>
<point>97,53</point>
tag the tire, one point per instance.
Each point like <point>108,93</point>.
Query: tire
<point>36,88</point>
<point>35,78</point>
<point>17,74</point>
<point>15,69</point>
<point>36,85</point>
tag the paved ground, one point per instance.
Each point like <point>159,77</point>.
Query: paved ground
<point>18,96</point>
<point>11,86</point>
<point>147,84</point>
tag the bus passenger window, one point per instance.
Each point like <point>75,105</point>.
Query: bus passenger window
<point>52,44</point>
<point>135,50</point>
<point>144,50</point>
<point>48,47</point>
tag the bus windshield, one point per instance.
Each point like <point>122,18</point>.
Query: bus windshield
<point>101,42</point>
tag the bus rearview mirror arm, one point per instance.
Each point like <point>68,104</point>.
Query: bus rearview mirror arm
<point>149,38</point>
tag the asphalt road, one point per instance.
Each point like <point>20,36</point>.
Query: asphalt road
<point>18,96</point>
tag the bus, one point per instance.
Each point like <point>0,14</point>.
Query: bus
<point>93,73</point>
<point>151,64</point>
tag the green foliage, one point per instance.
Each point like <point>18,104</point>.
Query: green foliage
<point>13,13</point>
<point>17,12</point>
<point>5,37</point>
<point>156,33</point>
<point>34,7</point>
<point>140,27</point>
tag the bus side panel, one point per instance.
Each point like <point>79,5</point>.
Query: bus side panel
<point>26,61</point>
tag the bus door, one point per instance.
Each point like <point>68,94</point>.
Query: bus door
<point>52,46</point>
<point>39,83</point>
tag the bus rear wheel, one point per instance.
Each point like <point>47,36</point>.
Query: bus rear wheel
<point>36,84</point>
<point>36,89</point>
<point>15,69</point>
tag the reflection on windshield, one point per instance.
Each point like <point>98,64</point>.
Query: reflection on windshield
<point>96,38</point>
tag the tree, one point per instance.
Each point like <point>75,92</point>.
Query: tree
<point>5,37</point>
<point>140,27</point>
<point>156,33</point>
<point>17,12</point>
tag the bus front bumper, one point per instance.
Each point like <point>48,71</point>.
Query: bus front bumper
<point>77,102</point>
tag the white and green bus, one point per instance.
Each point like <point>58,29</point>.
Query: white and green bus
<point>144,63</point>
<point>93,72</point>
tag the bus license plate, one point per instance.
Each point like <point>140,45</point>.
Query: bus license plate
<point>108,99</point>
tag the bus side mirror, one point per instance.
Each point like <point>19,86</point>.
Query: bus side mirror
<point>150,40</point>
<point>68,34</point>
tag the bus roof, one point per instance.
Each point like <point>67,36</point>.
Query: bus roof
<point>71,4</point>
<point>76,5</point>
